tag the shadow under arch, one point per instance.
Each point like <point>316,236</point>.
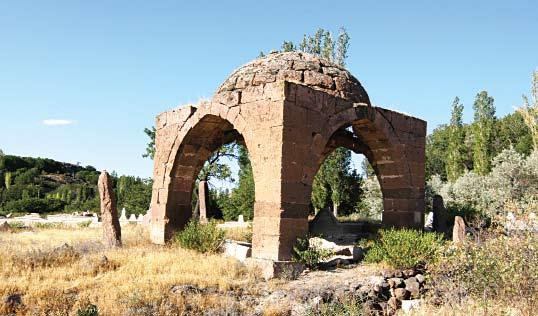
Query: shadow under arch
<point>205,137</point>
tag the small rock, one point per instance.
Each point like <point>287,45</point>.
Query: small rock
<point>395,282</point>
<point>13,299</point>
<point>5,227</point>
<point>358,253</point>
<point>412,285</point>
<point>343,252</point>
<point>420,278</point>
<point>408,305</point>
<point>186,289</point>
<point>401,293</point>
<point>371,307</point>
<point>387,274</point>
<point>409,273</point>
<point>398,274</point>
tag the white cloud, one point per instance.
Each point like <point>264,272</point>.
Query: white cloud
<point>57,122</point>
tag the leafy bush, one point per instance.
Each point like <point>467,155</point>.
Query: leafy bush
<point>308,254</point>
<point>512,185</point>
<point>201,237</point>
<point>338,308</point>
<point>84,224</point>
<point>502,269</point>
<point>90,310</point>
<point>404,248</point>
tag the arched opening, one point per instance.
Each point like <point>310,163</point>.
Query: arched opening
<point>209,140</point>
<point>224,188</point>
<point>346,196</point>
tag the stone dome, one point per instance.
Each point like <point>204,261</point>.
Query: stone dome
<point>301,68</point>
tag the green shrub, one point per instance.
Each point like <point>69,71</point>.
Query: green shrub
<point>201,237</point>
<point>90,310</point>
<point>48,225</point>
<point>338,308</point>
<point>500,269</point>
<point>309,255</point>
<point>84,224</point>
<point>17,225</point>
<point>404,248</point>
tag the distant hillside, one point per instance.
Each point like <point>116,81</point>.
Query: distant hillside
<point>43,185</point>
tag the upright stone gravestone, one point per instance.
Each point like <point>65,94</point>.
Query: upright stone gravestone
<point>109,212</point>
<point>203,201</point>
<point>123,217</point>
<point>458,232</point>
<point>439,215</point>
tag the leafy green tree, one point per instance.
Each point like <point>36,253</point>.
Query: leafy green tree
<point>150,147</point>
<point>511,131</point>
<point>436,149</point>
<point>342,47</point>
<point>134,194</point>
<point>327,51</point>
<point>288,46</point>
<point>241,199</point>
<point>484,120</point>
<point>529,110</point>
<point>455,166</point>
<point>336,183</point>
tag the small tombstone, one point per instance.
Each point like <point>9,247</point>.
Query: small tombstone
<point>241,219</point>
<point>95,218</point>
<point>428,223</point>
<point>147,218</point>
<point>203,201</point>
<point>458,232</point>
<point>439,215</point>
<point>123,217</point>
<point>325,224</point>
<point>109,212</point>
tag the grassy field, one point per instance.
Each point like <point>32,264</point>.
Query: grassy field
<point>55,279</point>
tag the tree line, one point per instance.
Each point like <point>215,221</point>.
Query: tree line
<point>44,185</point>
<point>455,148</point>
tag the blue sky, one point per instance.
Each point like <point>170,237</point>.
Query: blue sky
<point>107,68</point>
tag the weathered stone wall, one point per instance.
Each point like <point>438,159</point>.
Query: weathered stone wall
<point>290,110</point>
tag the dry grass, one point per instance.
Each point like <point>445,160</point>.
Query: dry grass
<point>239,234</point>
<point>55,279</point>
<point>471,307</point>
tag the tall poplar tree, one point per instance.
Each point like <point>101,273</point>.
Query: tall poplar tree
<point>483,126</point>
<point>529,111</point>
<point>456,150</point>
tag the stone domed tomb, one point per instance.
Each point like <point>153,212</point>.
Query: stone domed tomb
<point>290,110</point>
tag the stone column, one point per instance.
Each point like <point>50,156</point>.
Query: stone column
<point>203,201</point>
<point>109,212</point>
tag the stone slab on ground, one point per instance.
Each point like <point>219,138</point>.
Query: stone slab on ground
<point>235,249</point>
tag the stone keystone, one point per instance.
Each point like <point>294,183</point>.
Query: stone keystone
<point>109,212</point>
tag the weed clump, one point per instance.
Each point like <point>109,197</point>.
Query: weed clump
<point>311,255</point>
<point>404,248</point>
<point>204,238</point>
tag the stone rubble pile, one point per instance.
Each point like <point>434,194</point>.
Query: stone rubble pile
<point>399,290</point>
